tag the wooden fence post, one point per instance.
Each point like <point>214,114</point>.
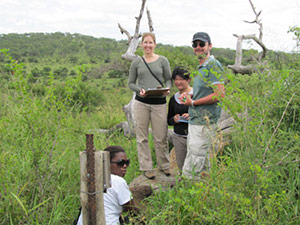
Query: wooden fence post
<point>91,184</point>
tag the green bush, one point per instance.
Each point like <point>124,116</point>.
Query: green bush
<point>83,94</point>
<point>38,89</point>
<point>60,72</point>
<point>35,72</point>
<point>46,70</point>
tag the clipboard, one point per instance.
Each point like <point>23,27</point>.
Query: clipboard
<point>156,91</point>
<point>183,119</point>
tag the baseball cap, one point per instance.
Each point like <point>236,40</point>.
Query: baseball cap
<point>201,36</point>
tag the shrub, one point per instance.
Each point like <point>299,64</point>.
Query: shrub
<point>35,72</point>
<point>46,70</point>
<point>60,72</point>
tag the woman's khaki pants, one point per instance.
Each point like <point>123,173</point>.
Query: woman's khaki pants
<point>180,145</point>
<point>157,114</point>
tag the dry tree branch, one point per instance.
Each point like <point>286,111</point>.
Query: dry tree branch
<point>125,31</point>
<point>138,19</point>
<point>238,67</point>
<point>257,20</point>
<point>149,20</point>
<point>258,41</point>
<point>133,41</point>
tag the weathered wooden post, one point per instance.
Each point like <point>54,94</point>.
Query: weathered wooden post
<point>94,173</point>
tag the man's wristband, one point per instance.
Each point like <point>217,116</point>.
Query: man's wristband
<point>192,103</point>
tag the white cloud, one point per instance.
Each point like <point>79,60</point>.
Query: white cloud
<point>174,21</point>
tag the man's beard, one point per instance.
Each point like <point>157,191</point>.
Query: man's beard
<point>202,55</point>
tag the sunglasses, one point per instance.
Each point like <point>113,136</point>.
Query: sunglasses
<point>201,44</point>
<point>122,162</point>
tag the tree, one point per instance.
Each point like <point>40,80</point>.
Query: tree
<point>238,67</point>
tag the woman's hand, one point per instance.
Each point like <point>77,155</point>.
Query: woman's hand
<point>176,118</point>
<point>186,116</point>
<point>142,92</point>
<point>165,93</point>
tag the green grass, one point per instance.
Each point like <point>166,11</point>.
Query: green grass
<point>254,181</point>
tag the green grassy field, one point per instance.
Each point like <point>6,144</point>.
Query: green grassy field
<point>42,130</point>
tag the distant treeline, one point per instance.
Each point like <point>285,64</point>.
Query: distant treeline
<point>64,48</point>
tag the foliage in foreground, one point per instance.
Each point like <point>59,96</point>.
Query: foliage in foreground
<point>41,136</point>
<point>254,181</point>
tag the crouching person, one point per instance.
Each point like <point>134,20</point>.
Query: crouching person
<point>118,197</point>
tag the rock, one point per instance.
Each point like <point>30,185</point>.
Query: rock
<point>161,181</point>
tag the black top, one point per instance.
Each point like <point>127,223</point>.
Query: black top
<point>176,108</point>
<point>151,101</point>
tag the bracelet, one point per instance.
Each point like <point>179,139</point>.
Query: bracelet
<point>192,103</point>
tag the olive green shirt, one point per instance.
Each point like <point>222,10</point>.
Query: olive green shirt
<point>210,73</point>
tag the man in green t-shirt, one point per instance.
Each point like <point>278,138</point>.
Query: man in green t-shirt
<point>204,111</point>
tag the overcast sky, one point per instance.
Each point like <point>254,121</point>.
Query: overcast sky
<point>174,21</point>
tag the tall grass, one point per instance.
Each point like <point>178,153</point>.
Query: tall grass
<point>255,180</point>
<point>41,137</point>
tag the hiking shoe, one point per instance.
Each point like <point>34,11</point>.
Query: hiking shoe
<point>149,174</point>
<point>167,172</point>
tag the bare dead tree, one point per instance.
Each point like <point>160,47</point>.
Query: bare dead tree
<point>249,69</point>
<point>133,42</point>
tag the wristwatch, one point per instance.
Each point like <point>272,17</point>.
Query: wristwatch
<point>192,103</point>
